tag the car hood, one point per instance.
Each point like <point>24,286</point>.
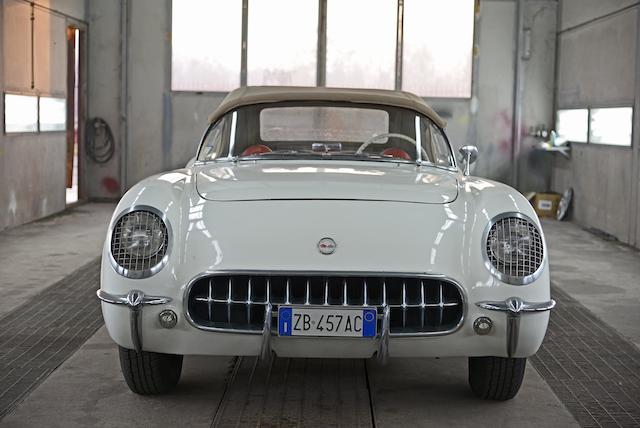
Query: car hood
<point>283,180</point>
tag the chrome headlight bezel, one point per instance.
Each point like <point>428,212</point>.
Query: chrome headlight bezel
<point>513,280</point>
<point>152,270</point>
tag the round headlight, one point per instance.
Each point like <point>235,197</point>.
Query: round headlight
<point>514,249</point>
<point>139,243</point>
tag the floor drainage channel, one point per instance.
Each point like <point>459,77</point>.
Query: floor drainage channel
<point>40,334</point>
<point>592,369</point>
<point>295,392</point>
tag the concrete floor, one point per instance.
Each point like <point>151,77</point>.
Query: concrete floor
<point>88,389</point>
<point>38,254</point>
<point>602,275</point>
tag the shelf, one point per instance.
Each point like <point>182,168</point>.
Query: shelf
<point>564,150</point>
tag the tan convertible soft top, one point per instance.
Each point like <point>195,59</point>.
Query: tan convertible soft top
<point>249,95</point>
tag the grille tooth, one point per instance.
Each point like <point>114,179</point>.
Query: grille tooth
<point>529,253</point>
<point>237,302</point>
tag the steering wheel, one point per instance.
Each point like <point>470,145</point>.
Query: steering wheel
<point>375,138</point>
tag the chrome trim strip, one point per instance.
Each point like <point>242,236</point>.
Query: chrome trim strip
<point>265,350</point>
<point>514,307</point>
<point>513,280</point>
<point>383,350</point>
<point>232,138</point>
<point>134,274</point>
<point>422,275</point>
<point>135,300</point>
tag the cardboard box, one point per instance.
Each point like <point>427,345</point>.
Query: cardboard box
<point>546,204</point>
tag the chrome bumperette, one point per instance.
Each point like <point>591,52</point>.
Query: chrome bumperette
<point>265,351</point>
<point>513,280</point>
<point>145,273</point>
<point>135,300</point>
<point>383,349</point>
<point>514,307</point>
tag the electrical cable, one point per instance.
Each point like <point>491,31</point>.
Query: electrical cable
<point>100,145</point>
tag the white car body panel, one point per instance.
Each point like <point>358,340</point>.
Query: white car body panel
<point>322,181</point>
<point>384,216</point>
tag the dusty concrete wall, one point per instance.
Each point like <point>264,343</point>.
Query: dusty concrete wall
<point>538,68</point>
<point>597,67</point>
<point>148,82</point>
<point>33,166</point>
<point>104,68</point>
<point>496,83</point>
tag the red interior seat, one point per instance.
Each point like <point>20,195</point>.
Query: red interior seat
<point>396,153</point>
<point>256,149</point>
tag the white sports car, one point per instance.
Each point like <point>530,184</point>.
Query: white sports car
<point>331,223</point>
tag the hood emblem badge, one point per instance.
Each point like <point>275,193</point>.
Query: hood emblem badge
<point>327,246</point>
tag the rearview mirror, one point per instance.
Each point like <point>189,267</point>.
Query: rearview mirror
<point>469,156</point>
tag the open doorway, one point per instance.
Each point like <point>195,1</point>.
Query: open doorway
<point>75,113</point>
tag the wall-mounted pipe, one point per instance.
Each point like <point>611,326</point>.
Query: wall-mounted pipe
<point>33,47</point>
<point>399,44</point>
<point>516,140</point>
<point>321,70</point>
<point>634,227</point>
<point>124,91</point>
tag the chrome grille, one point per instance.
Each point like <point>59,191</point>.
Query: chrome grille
<point>238,302</point>
<point>129,262</point>
<point>514,247</point>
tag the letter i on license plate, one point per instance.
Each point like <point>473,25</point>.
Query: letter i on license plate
<point>326,322</point>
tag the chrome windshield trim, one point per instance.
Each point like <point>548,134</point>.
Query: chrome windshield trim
<point>232,137</point>
<point>423,275</point>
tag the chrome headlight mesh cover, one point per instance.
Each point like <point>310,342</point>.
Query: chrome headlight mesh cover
<point>514,249</point>
<point>130,261</point>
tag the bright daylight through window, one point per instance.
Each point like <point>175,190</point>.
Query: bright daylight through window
<point>431,39</point>
<point>205,45</point>
<point>274,55</point>
<point>20,113</point>
<point>437,48</point>
<point>572,125</point>
<point>361,51</point>
<point>611,126</point>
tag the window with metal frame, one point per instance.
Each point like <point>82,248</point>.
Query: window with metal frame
<point>610,126</point>
<point>361,47</point>
<point>206,41</point>
<point>282,42</point>
<point>573,125</point>
<point>34,113</point>
<point>437,47</point>
<point>20,113</point>
<point>423,46</point>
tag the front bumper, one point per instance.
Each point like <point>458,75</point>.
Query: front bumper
<point>513,336</point>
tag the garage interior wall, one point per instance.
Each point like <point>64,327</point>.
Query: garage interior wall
<point>598,44</point>
<point>33,165</point>
<point>129,63</point>
<point>163,127</point>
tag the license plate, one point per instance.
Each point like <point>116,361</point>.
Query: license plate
<point>326,322</point>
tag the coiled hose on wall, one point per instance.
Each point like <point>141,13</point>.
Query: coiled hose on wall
<point>100,145</point>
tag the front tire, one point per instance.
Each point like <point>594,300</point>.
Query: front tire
<point>496,378</point>
<point>150,373</point>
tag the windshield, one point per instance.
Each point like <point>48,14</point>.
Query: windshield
<point>326,131</point>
